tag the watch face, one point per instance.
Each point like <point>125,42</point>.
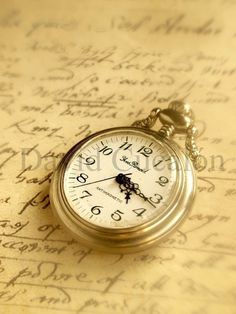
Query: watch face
<point>121,178</point>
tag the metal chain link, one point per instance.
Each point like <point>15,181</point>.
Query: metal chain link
<point>150,121</point>
<point>191,146</point>
<point>168,130</point>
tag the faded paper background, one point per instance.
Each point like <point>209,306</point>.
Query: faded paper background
<point>69,68</point>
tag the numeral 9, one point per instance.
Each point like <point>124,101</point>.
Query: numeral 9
<point>88,161</point>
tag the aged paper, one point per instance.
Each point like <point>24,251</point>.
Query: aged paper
<point>69,68</point>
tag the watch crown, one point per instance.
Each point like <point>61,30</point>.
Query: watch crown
<point>179,114</point>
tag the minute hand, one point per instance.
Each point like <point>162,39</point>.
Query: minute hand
<point>140,194</point>
<point>110,178</point>
<point>129,186</point>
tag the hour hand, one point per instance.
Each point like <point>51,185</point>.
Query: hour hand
<point>124,184</point>
<point>128,186</point>
<point>127,196</point>
<point>122,179</point>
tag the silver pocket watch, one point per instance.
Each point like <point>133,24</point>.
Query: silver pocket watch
<point>126,188</point>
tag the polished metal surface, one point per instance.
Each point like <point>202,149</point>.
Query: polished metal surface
<point>134,238</point>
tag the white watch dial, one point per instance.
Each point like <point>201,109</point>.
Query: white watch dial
<point>120,179</point>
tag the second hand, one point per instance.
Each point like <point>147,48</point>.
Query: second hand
<point>110,178</point>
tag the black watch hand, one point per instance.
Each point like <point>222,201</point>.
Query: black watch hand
<point>130,187</point>
<point>78,186</point>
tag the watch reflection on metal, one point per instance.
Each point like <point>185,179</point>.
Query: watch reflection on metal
<point>127,188</point>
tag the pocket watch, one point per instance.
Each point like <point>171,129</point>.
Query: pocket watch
<point>124,189</point>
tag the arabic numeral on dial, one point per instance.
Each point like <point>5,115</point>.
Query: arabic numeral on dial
<point>87,161</point>
<point>86,194</point>
<point>117,215</point>
<point>106,150</point>
<point>139,211</point>
<point>162,181</point>
<point>125,146</point>
<point>145,151</point>
<point>95,210</point>
<point>156,199</point>
<point>82,178</point>
<point>90,161</point>
<point>158,163</point>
